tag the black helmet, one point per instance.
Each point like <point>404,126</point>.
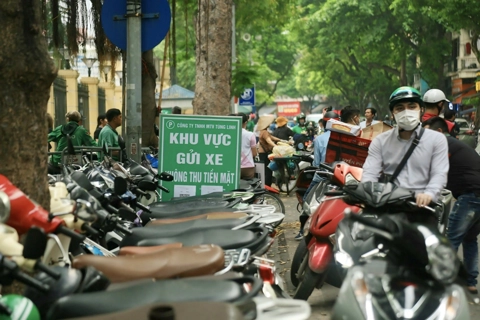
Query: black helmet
<point>329,115</point>
<point>301,116</point>
<point>405,93</point>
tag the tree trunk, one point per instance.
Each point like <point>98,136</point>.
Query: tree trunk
<point>213,57</point>
<point>27,73</point>
<point>149,109</point>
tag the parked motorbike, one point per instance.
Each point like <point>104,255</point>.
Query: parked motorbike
<point>316,251</point>
<point>411,270</point>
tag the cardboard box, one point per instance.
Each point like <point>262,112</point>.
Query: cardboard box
<point>374,130</point>
<point>342,127</point>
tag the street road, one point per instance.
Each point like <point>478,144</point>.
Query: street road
<point>322,300</point>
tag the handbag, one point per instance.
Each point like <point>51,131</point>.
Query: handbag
<point>385,178</point>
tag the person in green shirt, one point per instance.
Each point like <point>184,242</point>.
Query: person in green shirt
<point>109,136</point>
<point>251,123</point>
<point>301,125</point>
<point>78,134</point>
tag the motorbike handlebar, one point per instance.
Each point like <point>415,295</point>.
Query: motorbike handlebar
<point>143,207</point>
<point>385,227</point>
<point>92,231</point>
<point>425,207</point>
<point>121,228</point>
<point>140,191</point>
<point>334,193</point>
<point>164,189</point>
<point>327,167</point>
<point>70,233</point>
<point>14,272</point>
<point>30,281</point>
<point>49,271</point>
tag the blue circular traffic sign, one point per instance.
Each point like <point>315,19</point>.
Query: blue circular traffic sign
<point>156,18</point>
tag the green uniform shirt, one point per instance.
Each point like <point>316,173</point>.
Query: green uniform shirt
<point>78,134</point>
<point>298,129</point>
<point>250,125</point>
<point>109,137</point>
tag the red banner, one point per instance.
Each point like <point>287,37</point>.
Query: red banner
<point>288,108</point>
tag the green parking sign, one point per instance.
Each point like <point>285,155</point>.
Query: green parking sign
<point>203,153</point>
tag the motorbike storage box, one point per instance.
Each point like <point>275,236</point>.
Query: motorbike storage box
<point>353,150</point>
<point>344,147</point>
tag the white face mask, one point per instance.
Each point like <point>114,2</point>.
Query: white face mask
<point>407,119</point>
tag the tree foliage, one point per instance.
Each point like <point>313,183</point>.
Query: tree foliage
<point>364,49</point>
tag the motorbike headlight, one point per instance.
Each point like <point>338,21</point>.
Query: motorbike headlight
<point>442,260</point>
<point>443,263</point>
<point>341,256</point>
<point>344,259</point>
<point>306,227</point>
<point>350,180</point>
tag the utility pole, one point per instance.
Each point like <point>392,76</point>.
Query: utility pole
<point>134,80</point>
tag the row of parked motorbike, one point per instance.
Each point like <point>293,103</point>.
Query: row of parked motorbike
<point>108,250</point>
<point>357,238</point>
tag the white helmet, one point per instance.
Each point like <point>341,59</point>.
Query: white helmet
<point>434,96</point>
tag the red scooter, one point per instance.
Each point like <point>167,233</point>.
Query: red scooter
<point>313,263</point>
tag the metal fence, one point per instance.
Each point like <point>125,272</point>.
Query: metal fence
<point>60,100</point>
<point>83,104</point>
<point>101,101</point>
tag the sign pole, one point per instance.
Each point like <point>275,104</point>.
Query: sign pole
<point>134,80</point>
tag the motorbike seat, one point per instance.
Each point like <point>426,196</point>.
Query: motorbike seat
<point>179,262</point>
<point>206,216</point>
<point>180,310</point>
<point>166,291</point>
<point>129,251</point>
<point>196,225</point>
<point>227,239</point>
<point>173,212</point>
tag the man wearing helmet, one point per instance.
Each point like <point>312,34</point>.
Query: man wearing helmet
<point>434,100</point>
<point>300,127</point>
<point>425,171</point>
<point>77,133</point>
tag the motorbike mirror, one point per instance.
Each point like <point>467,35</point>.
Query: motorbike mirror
<point>35,243</point>
<point>165,176</point>
<point>70,147</point>
<point>120,185</point>
<point>4,207</point>
<point>121,142</point>
<point>147,185</point>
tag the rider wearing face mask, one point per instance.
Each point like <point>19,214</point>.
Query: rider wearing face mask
<point>425,171</point>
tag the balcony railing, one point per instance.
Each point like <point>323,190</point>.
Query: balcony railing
<point>469,63</point>
<point>459,64</point>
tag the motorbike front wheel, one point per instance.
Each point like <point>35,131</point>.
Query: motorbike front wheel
<point>273,200</point>
<point>300,253</point>
<point>310,280</point>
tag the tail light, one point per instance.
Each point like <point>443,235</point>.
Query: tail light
<point>266,269</point>
<point>267,273</point>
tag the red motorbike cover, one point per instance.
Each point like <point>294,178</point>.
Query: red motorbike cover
<point>24,212</point>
